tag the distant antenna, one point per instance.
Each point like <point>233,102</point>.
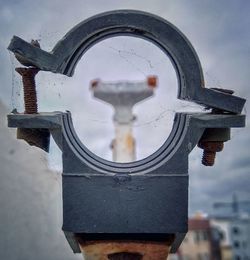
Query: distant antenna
<point>234,205</point>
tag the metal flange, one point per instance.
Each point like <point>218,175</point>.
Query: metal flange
<point>147,197</point>
<point>68,51</point>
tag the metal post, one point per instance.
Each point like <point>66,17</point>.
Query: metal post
<point>123,96</point>
<point>126,250</point>
<point>145,200</point>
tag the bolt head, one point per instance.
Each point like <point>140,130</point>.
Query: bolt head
<point>211,146</point>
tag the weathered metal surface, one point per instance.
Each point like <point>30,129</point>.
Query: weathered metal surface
<point>67,52</point>
<point>216,134</point>
<point>36,137</point>
<point>210,149</point>
<point>29,89</point>
<point>132,250</point>
<point>123,146</point>
<point>123,95</point>
<point>31,54</point>
<point>124,204</point>
<point>142,200</point>
<point>212,141</point>
<point>23,60</point>
<point>48,120</point>
<point>147,197</point>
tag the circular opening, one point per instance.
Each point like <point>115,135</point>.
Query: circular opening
<point>122,98</point>
<point>121,60</point>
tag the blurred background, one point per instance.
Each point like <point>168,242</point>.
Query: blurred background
<point>30,185</point>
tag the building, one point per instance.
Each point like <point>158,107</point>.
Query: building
<point>225,238</point>
<point>240,235</point>
<point>235,236</point>
<point>202,241</point>
<point>223,225</point>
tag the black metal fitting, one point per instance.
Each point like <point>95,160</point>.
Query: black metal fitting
<point>146,198</point>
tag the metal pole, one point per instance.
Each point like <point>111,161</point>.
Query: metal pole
<point>123,95</point>
<point>126,250</point>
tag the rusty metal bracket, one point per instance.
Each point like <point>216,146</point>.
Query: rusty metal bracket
<point>146,199</point>
<point>68,51</point>
<point>142,200</point>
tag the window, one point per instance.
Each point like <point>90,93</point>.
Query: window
<point>222,235</point>
<point>236,244</point>
<point>204,256</point>
<point>236,230</point>
<point>205,235</point>
<point>185,257</point>
<point>200,235</point>
<point>196,237</point>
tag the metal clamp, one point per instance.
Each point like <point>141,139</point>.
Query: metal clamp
<point>146,199</point>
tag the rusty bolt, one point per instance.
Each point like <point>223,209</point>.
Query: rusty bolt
<point>29,88</point>
<point>37,137</point>
<point>210,148</point>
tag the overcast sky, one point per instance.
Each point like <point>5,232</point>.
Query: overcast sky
<point>218,30</point>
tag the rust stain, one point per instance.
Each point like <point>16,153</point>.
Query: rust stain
<point>29,89</point>
<point>152,81</point>
<point>129,141</point>
<point>210,148</point>
<point>37,137</point>
<point>105,250</point>
<point>125,249</point>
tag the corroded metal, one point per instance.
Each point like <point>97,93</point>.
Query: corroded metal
<point>126,250</point>
<point>29,89</point>
<point>147,200</point>
<point>209,151</point>
<point>212,140</point>
<point>141,200</point>
<point>123,95</point>
<point>68,51</point>
<point>36,137</point>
